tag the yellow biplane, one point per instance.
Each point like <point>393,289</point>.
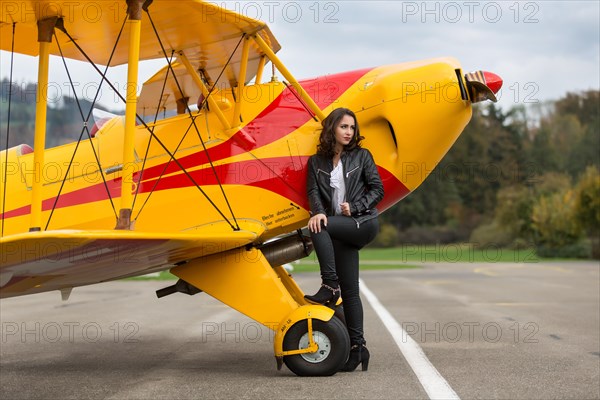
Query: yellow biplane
<point>205,173</point>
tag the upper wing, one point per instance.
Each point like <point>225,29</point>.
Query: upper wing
<point>206,33</point>
<point>168,92</point>
<point>41,261</point>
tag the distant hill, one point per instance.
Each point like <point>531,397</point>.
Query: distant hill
<point>64,118</point>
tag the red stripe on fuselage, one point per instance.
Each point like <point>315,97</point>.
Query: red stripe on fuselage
<point>278,175</point>
<point>269,174</point>
<point>281,117</point>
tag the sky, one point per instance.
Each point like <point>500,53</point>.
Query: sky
<point>541,49</point>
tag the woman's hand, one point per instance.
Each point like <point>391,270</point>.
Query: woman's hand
<point>345,209</point>
<point>314,223</point>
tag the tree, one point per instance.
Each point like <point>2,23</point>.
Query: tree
<point>587,206</point>
<point>465,165</point>
<point>584,106</point>
<point>584,152</point>
<point>543,155</point>
<point>427,204</point>
<point>513,212</point>
<point>488,156</point>
<point>554,222</point>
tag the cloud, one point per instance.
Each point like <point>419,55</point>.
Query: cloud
<point>542,49</point>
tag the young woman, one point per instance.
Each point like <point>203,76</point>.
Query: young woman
<point>343,188</point>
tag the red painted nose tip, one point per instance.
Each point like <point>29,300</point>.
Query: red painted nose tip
<point>493,81</point>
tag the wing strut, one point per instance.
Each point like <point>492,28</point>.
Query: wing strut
<point>193,119</point>
<point>160,143</point>
<point>150,131</point>
<point>45,33</point>
<point>85,128</point>
<point>241,83</point>
<point>10,83</point>
<point>305,96</point>
<point>198,80</point>
<point>293,91</point>
<point>134,11</point>
<point>259,71</point>
<point>141,174</point>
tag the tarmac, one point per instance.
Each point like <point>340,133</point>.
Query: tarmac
<point>492,331</point>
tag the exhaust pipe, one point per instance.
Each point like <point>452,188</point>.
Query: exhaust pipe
<point>277,252</point>
<point>287,249</point>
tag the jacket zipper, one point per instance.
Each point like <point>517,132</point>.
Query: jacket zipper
<point>349,172</point>
<point>346,182</point>
<point>319,170</point>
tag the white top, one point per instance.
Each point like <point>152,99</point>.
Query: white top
<point>339,188</point>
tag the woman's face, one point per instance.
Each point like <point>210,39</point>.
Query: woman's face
<point>344,131</point>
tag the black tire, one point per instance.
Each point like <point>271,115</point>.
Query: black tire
<point>339,313</point>
<point>329,358</point>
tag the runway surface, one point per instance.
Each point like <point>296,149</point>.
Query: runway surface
<point>519,331</point>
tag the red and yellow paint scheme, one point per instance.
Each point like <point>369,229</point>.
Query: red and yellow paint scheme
<point>201,192</point>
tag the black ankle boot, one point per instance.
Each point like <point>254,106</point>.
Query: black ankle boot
<point>326,294</point>
<point>358,354</point>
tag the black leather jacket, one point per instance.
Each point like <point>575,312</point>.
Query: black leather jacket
<point>364,188</point>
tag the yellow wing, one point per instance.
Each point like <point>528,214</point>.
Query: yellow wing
<point>205,33</point>
<point>41,261</point>
<point>169,92</point>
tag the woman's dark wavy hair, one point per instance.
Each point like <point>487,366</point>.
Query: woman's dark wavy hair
<point>327,139</point>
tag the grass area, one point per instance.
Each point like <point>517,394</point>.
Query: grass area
<point>313,266</point>
<point>409,256</point>
<point>455,252</point>
<point>158,276</point>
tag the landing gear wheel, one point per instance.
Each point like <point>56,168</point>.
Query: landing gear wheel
<point>334,347</point>
<point>339,313</point>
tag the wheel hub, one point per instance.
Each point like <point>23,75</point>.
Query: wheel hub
<point>324,347</point>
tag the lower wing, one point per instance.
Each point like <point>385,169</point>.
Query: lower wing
<point>42,261</point>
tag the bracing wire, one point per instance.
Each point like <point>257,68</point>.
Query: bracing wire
<point>293,91</point>
<point>85,128</point>
<point>160,143</point>
<point>137,189</point>
<point>164,170</point>
<point>193,120</point>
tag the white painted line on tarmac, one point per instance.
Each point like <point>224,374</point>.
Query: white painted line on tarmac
<point>434,384</point>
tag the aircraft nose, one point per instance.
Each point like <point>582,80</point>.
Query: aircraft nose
<point>483,85</point>
<point>493,81</point>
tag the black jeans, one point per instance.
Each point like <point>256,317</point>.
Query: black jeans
<point>337,249</point>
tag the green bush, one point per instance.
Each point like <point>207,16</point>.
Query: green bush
<point>513,212</point>
<point>492,233</point>
<point>579,249</point>
<point>551,182</point>
<point>387,237</point>
<point>521,244</point>
<point>587,207</point>
<point>554,222</point>
<point>587,201</point>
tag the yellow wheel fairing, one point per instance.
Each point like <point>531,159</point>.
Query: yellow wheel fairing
<point>310,311</point>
